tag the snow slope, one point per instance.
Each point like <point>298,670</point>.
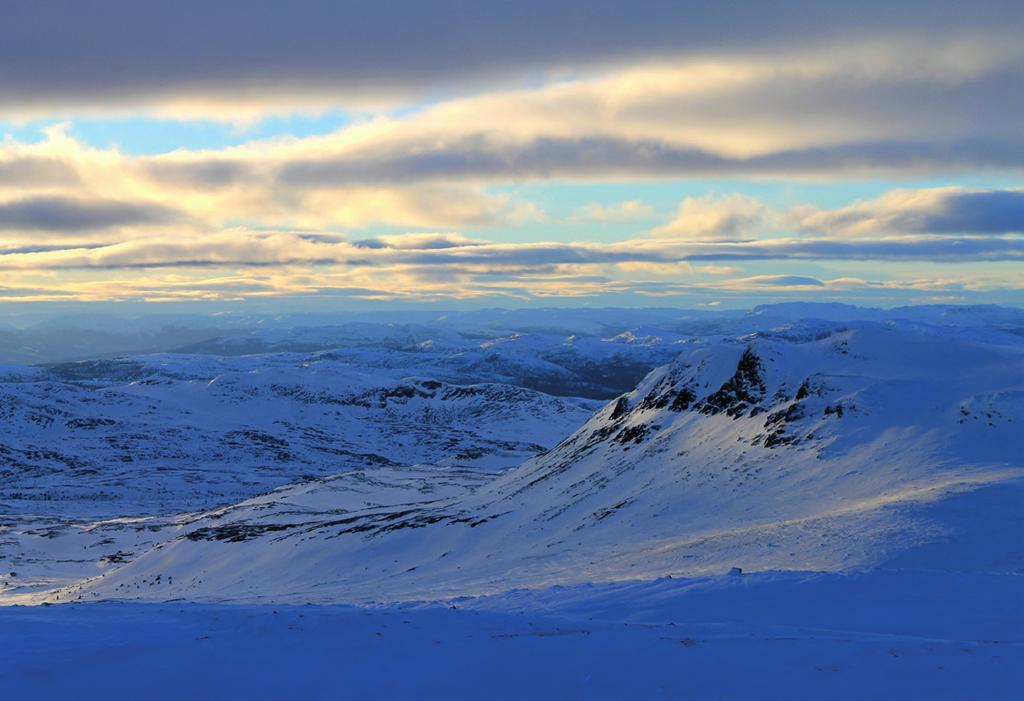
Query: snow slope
<point>816,446</point>
<point>42,552</point>
<point>558,363</point>
<point>168,433</point>
<point>866,475</point>
<point>879,634</point>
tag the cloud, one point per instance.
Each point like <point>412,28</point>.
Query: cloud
<point>921,248</point>
<point>955,211</point>
<point>62,214</point>
<point>711,218</point>
<point>877,107</point>
<point>493,158</point>
<point>862,107</point>
<point>236,186</point>
<point>630,210</point>
<point>949,210</point>
<point>8,293</point>
<point>288,216</point>
<point>423,242</point>
<point>242,264</point>
<point>197,58</point>
<point>20,172</point>
<point>778,281</point>
<point>210,171</point>
<point>243,248</point>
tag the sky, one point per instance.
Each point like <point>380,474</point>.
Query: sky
<point>335,155</point>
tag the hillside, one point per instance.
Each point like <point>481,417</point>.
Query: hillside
<point>168,433</point>
<point>815,446</point>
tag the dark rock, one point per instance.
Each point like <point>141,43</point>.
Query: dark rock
<point>744,389</point>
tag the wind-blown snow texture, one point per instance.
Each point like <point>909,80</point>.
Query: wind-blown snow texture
<point>885,444</point>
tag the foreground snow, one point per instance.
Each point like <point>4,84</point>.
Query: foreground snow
<point>908,634</point>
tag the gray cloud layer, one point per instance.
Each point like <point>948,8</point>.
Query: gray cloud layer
<point>22,172</point>
<point>480,157</point>
<point>66,50</point>
<point>990,212</point>
<point>256,250</point>
<point>64,214</point>
<point>953,211</point>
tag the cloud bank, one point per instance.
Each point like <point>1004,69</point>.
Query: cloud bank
<point>196,57</point>
<point>949,210</point>
<point>449,119</point>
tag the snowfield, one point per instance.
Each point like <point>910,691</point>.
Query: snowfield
<point>884,635</point>
<point>829,447</point>
<point>164,434</point>
<point>859,473</point>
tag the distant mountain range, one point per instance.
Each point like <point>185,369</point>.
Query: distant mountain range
<point>93,336</point>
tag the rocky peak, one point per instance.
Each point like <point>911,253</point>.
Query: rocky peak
<point>743,391</point>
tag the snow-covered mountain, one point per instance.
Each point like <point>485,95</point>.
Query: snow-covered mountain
<point>812,446</point>
<point>170,433</point>
<point>562,364</point>
<point>558,351</point>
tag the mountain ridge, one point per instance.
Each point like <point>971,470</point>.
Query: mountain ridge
<point>824,447</point>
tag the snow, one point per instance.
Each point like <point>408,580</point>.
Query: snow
<point>759,470</point>
<point>803,501</point>
<point>889,635</point>
<point>168,433</point>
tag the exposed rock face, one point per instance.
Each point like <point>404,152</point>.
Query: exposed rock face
<point>741,392</point>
